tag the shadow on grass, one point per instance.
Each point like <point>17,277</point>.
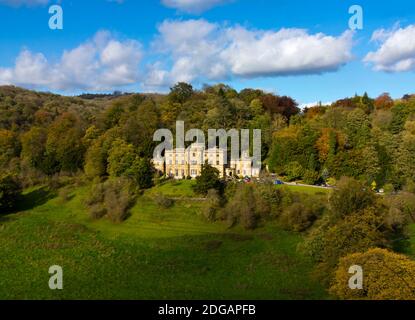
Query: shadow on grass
<point>34,199</point>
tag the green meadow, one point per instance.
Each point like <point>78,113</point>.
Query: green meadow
<point>156,254</point>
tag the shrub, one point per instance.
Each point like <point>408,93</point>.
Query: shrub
<point>96,194</point>
<point>97,211</point>
<point>162,201</point>
<point>311,177</point>
<point>112,199</point>
<point>389,188</point>
<point>350,196</point>
<point>298,217</point>
<point>10,190</point>
<point>268,201</point>
<point>242,208</point>
<point>118,199</point>
<point>386,276</point>
<point>212,205</point>
<point>294,171</point>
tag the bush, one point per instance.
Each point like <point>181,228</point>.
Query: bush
<point>242,208</point>
<point>118,199</point>
<point>162,201</point>
<point>350,196</point>
<point>294,171</point>
<point>389,188</point>
<point>212,205</point>
<point>387,276</point>
<point>10,191</point>
<point>268,201</point>
<point>298,217</point>
<point>112,199</point>
<point>96,194</point>
<point>97,211</point>
<point>311,177</point>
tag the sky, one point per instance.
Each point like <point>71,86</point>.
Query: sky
<point>301,48</point>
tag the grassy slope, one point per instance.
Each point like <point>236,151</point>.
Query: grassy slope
<point>156,254</point>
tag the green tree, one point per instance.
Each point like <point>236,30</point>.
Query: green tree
<point>181,92</point>
<point>10,190</point>
<point>350,196</point>
<point>34,148</point>
<point>9,146</point>
<point>64,143</point>
<point>208,180</point>
<point>121,158</point>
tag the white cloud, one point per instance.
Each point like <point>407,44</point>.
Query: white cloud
<point>396,52</point>
<point>99,64</point>
<point>218,52</point>
<point>193,6</point>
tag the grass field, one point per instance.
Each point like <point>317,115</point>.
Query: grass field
<point>156,254</point>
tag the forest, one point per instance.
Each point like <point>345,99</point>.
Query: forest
<point>359,145</point>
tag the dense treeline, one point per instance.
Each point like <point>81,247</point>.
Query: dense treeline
<point>370,140</point>
<point>42,134</point>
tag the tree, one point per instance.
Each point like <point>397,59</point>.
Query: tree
<point>141,173</point>
<point>96,159</point>
<point>10,191</point>
<point>34,148</point>
<point>181,92</point>
<point>121,158</point>
<point>9,146</point>
<point>212,205</point>
<point>350,196</point>
<point>384,102</point>
<point>242,208</point>
<point>285,106</point>
<point>208,180</point>
<point>123,161</point>
<point>64,144</point>
<point>386,276</point>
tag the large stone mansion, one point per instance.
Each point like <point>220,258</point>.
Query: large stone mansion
<point>181,163</point>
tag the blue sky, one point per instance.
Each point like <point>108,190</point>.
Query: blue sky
<point>304,49</point>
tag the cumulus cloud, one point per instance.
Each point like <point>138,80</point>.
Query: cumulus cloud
<point>102,63</point>
<point>193,6</point>
<point>218,52</point>
<point>396,52</point>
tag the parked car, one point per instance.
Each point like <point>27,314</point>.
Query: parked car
<point>278,182</point>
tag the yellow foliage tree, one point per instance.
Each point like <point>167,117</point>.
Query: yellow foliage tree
<point>386,276</point>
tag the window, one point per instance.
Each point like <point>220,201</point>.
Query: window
<point>177,173</point>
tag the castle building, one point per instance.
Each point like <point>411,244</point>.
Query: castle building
<point>181,163</point>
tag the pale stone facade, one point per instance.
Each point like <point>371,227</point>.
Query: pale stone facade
<point>182,163</point>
